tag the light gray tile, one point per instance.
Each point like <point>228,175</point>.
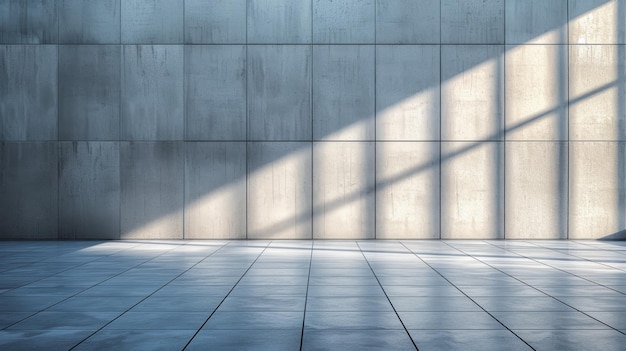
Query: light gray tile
<point>357,339</point>
<point>89,190</point>
<point>408,21</point>
<point>330,320</point>
<point>137,339</point>
<point>548,320</point>
<point>536,21</point>
<point>274,303</point>
<point>279,21</point>
<point>28,92</point>
<point>89,92</point>
<point>434,303</point>
<point>449,321</point>
<point>279,92</point>
<point>343,92</point>
<point>152,93</point>
<point>597,21</point>
<point>472,21</point>
<point>236,340</point>
<point>215,22</point>
<point>593,340</point>
<point>467,340</point>
<point>215,190</point>
<point>89,22</point>
<point>152,22</point>
<point>348,304</point>
<point>255,320</point>
<point>344,21</point>
<point>521,303</point>
<point>28,22</point>
<point>28,190</point>
<point>215,92</point>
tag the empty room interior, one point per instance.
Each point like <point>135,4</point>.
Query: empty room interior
<point>313,175</point>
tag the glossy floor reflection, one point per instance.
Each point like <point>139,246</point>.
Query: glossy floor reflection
<point>313,295</point>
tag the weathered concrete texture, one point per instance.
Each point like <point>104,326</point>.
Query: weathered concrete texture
<point>152,93</point>
<point>152,22</point>
<point>89,190</point>
<point>152,190</point>
<point>344,21</point>
<point>472,190</point>
<point>215,190</point>
<point>597,190</point>
<point>597,21</point>
<point>89,92</point>
<point>89,22</point>
<point>472,92</point>
<point>536,190</point>
<point>279,92</point>
<point>28,22</point>
<point>536,92</point>
<point>215,22</point>
<point>279,21</point>
<point>597,92</point>
<point>215,92</point>
<point>407,190</point>
<point>407,92</point>
<point>279,190</point>
<point>343,92</point>
<point>408,22</point>
<point>472,21</point>
<point>536,21</point>
<point>28,92</point>
<point>28,190</point>
<point>343,190</point>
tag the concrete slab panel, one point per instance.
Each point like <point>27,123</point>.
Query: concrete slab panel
<point>215,92</point>
<point>279,21</point>
<point>597,92</point>
<point>28,92</point>
<point>343,92</point>
<point>89,92</point>
<point>407,190</point>
<point>536,92</point>
<point>407,92</point>
<point>408,21</point>
<point>472,191</point>
<point>344,21</point>
<point>536,190</point>
<point>215,190</point>
<point>215,22</point>
<point>472,22</point>
<point>89,190</point>
<point>28,22</point>
<point>472,92</point>
<point>597,21</point>
<point>279,92</point>
<point>343,190</point>
<point>152,93</point>
<point>597,191</point>
<point>89,22</point>
<point>536,21</point>
<point>152,22</point>
<point>152,190</point>
<point>28,190</point>
<point>279,190</point>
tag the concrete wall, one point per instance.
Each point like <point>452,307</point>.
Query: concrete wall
<point>300,119</point>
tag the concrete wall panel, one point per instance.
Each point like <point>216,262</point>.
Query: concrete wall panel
<point>152,190</point>
<point>28,22</point>
<point>536,21</point>
<point>279,190</point>
<point>407,92</point>
<point>89,22</point>
<point>472,190</point>
<point>215,92</point>
<point>152,21</point>
<point>343,190</point>
<point>343,92</point>
<point>536,92</point>
<point>597,208</point>
<point>536,190</point>
<point>215,22</point>
<point>344,21</point>
<point>407,190</point>
<point>408,21</point>
<point>279,92</point>
<point>152,93</point>
<point>89,190</point>
<point>28,92</point>
<point>597,21</point>
<point>215,190</point>
<point>472,92</point>
<point>28,190</point>
<point>279,21</point>
<point>472,21</point>
<point>89,92</point>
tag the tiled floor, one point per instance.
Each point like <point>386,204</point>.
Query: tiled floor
<point>313,295</point>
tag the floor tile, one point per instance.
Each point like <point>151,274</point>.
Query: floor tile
<point>263,303</point>
<point>448,320</point>
<point>178,304</point>
<point>159,320</point>
<point>255,320</point>
<point>96,304</point>
<point>348,304</point>
<point>547,320</point>
<point>521,303</point>
<point>588,340</point>
<point>467,340</point>
<point>66,321</point>
<point>351,320</point>
<point>236,340</point>
<point>356,340</point>
<point>41,339</point>
<point>164,340</point>
<point>433,303</point>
